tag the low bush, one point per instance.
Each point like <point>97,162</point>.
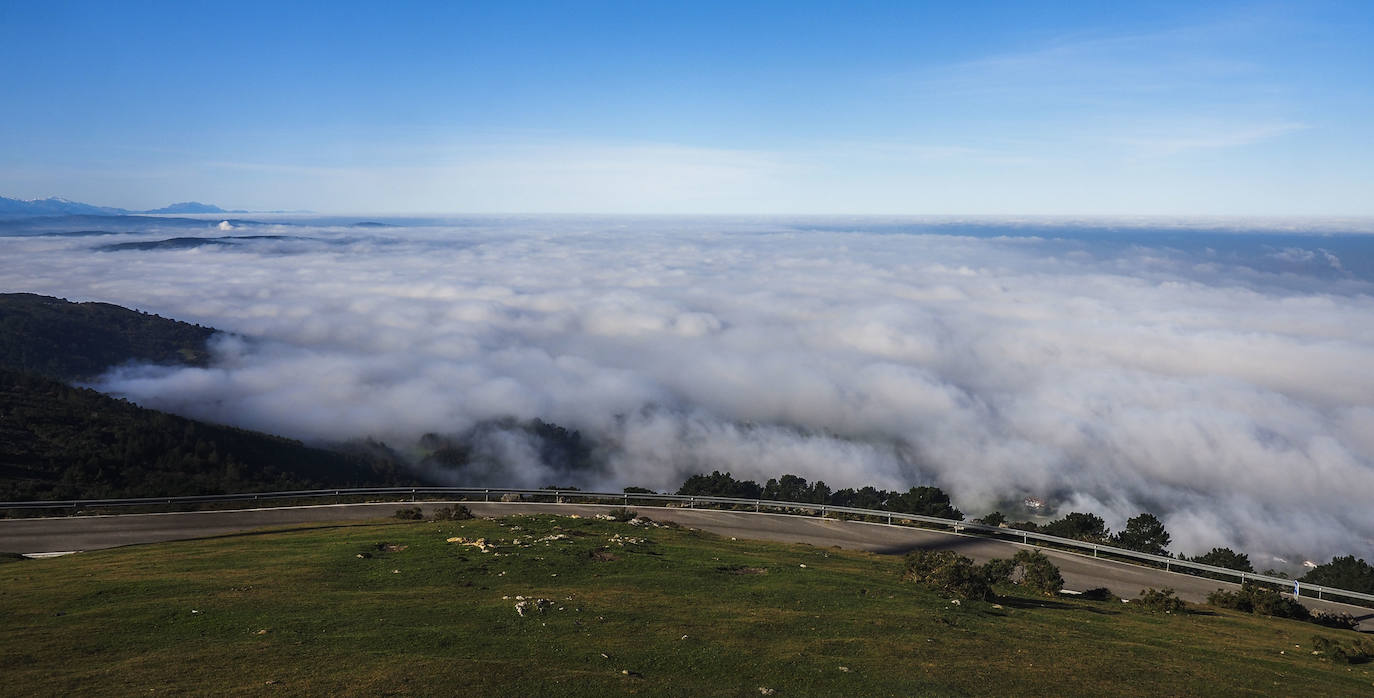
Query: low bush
<point>1035,571</point>
<point>622,514</point>
<point>1335,619</point>
<point>1261,601</point>
<point>998,571</point>
<point>948,572</point>
<point>1098,594</point>
<point>457,512</point>
<point>1358,651</point>
<point>1160,601</point>
<point>410,514</point>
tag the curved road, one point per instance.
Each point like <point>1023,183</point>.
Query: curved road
<point>47,535</point>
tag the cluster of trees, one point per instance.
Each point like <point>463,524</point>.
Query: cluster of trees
<point>926,501</point>
<point>1144,533</point>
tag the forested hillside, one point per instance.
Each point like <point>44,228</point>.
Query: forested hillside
<point>60,442</point>
<point>74,341</point>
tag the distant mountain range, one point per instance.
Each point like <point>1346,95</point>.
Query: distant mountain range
<point>57,206</point>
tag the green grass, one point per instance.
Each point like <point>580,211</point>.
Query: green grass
<point>430,619</point>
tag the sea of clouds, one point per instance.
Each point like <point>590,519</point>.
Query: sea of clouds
<point>1219,378</point>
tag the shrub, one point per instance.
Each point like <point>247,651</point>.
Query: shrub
<point>996,518</point>
<point>1358,651</point>
<point>457,512</point>
<point>410,514</point>
<point>1335,619</point>
<point>949,572</point>
<point>1035,571</point>
<point>998,571</point>
<point>622,514</point>
<point>1160,601</point>
<point>1098,594</point>
<point>1261,601</point>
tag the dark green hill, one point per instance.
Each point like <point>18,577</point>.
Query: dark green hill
<point>60,442</point>
<point>75,341</point>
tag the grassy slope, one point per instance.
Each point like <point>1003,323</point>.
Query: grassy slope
<point>431,619</point>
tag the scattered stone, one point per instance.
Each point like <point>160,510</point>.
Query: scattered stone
<point>264,631</point>
<point>997,606</point>
<point>395,571</point>
<point>605,656</point>
<point>531,605</point>
<point>684,637</point>
<point>956,602</point>
<point>845,669</point>
<point>480,543</point>
<point>802,566</point>
<point>632,674</point>
<point>365,556</point>
<point>766,691</point>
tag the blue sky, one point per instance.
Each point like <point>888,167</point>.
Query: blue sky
<point>793,107</point>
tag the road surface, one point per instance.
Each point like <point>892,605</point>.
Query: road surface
<point>79,533</point>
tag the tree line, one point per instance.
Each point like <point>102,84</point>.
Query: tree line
<point>1144,533</point>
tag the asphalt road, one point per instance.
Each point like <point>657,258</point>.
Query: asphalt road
<point>45,535</point>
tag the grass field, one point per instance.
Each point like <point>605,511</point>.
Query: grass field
<point>392,608</point>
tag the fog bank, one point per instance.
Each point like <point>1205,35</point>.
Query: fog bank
<point>1217,378</point>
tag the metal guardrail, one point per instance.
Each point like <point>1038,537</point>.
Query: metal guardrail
<point>893,517</point>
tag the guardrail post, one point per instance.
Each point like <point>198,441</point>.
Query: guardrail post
<point>627,499</point>
<point>486,495</point>
<point>1094,551</point>
<point>1166,565</point>
<point>692,503</point>
<point>889,519</point>
<point>757,504</point>
<point>412,495</point>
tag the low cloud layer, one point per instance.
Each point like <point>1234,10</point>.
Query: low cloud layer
<point>1219,379</point>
